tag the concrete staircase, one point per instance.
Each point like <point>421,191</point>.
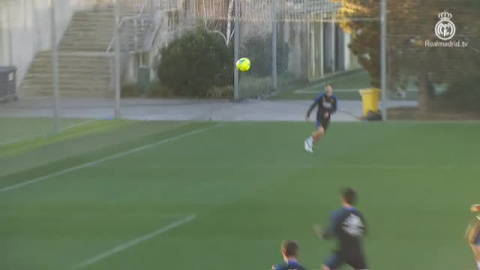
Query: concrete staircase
<point>84,65</point>
<point>89,31</point>
<point>79,75</point>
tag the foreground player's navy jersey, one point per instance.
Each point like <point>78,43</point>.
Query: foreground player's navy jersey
<point>325,103</point>
<point>348,226</point>
<point>290,265</point>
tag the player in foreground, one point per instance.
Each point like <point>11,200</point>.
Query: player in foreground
<point>348,227</point>
<point>473,234</point>
<point>290,254</point>
<point>327,105</point>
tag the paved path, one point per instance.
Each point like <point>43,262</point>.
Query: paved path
<point>178,109</point>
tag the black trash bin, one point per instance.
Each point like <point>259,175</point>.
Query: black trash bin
<point>8,83</point>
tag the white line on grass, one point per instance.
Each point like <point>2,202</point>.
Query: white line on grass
<point>41,135</point>
<point>45,134</point>
<point>95,162</point>
<point>134,242</point>
<point>86,122</point>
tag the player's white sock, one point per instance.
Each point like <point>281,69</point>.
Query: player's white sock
<point>478,264</point>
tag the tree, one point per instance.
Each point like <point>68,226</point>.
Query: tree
<point>365,34</point>
<point>194,63</point>
<point>435,66</point>
<point>410,24</point>
<point>361,19</point>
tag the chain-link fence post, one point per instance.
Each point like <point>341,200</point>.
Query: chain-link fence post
<point>117,59</point>
<point>334,51</point>
<point>306,41</point>
<point>274,45</point>
<point>383,58</point>
<point>236,49</point>
<point>322,50</point>
<point>55,77</point>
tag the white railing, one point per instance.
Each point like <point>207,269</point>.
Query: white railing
<point>157,25</point>
<point>126,19</point>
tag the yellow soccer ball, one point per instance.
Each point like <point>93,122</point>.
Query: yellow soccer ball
<point>244,64</point>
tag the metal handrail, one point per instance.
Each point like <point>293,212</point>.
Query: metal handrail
<point>156,32</point>
<point>139,15</point>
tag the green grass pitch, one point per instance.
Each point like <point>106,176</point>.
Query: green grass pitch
<point>18,129</point>
<point>249,185</point>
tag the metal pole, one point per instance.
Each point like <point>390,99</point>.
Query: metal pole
<point>117,60</point>
<point>312,53</point>
<point>274,45</point>
<point>54,56</point>
<point>333,47</point>
<point>322,48</point>
<point>383,58</point>
<point>135,38</point>
<point>236,48</point>
<point>307,38</point>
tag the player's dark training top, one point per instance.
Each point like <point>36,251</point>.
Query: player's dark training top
<point>290,265</point>
<point>325,104</point>
<point>348,227</point>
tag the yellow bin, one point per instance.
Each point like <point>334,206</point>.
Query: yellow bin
<point>370,100</point>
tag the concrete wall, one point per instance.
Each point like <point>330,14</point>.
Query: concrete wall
<point>25,29</point>
<point>346,51</point>
<point>297,39</point>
